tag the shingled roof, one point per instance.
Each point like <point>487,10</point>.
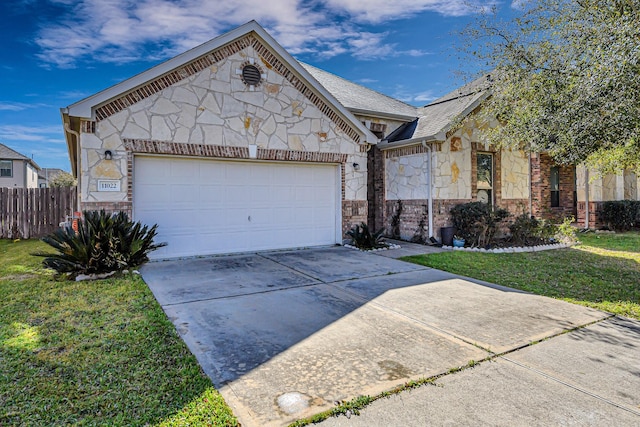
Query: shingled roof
<point>436,118</point>
<point>7,153</point>
<point>359,99</point>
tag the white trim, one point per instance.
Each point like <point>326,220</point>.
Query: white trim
<point>439,137</point>
<point>338,214</point>
<point>85,108</point>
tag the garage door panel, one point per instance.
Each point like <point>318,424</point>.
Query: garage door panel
<point>210,206</point>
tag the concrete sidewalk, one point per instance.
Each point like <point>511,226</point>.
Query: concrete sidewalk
<point>284,335</point>
<point>588,377</point>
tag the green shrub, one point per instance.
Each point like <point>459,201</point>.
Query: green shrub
<point>477,222</point>
<point>565,231</point>
<point>621,215</point>
<point>527,230</point>
<point>362,238</point>
<point>524,230</point>
<point>103,243</point>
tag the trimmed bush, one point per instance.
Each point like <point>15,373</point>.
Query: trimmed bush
<point>477,222</point>
<point>524,230</point>
<point>527,230</point>
<point>103,243</point>
<point>621,215</point>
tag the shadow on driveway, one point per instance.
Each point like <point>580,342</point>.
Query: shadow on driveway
<point>322,325</point>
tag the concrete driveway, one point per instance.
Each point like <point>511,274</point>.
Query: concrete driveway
<point>284,335</point>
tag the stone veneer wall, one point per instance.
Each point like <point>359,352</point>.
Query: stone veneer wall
<point>454,179</point>
<point>212,113</point>
<point>623,186</point>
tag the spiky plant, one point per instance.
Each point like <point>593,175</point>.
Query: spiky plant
<point>102,243</point>
<point>363,238</point>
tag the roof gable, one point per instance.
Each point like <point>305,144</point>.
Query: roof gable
<point>437,118</point>
<point>360,99</point>
<point>273,56</point>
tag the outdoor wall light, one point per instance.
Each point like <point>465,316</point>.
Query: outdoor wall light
<point>356,167</point>
<point>108,155</point>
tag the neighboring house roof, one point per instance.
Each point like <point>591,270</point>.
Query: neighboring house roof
<point>361,100</point>
<point>87,107</point>
<point>7,153</point>
<point>436,118</point>
<point>48,173</point>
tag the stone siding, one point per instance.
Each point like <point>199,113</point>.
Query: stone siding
<point>514,174</point>
<point>210,112</point>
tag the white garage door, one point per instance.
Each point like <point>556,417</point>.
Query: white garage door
<point>210,207</point>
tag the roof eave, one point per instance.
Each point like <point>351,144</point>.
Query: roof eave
<point>438,137</point>
<point>85,107</point>
<point>467,111</point>
<point>71,146</point>
<point>382,115</point>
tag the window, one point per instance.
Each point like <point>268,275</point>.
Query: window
<point>6,168</point>
<point>554,184</point>
<point>484,163</point>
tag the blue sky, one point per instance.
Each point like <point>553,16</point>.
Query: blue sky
<point>56,52</point>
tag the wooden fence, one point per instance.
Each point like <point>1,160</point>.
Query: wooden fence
<point>28,213</point>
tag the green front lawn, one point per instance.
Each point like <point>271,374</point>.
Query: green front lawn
<point>602,272</point>
<point>93,353</point>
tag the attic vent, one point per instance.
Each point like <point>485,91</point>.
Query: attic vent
<point>251,75</point>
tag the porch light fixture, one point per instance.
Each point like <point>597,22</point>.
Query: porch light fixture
<point>356,167</point>
<point>108,155</point>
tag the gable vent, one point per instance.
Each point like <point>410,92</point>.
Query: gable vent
<point>251,75</point>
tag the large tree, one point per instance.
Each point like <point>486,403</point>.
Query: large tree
<point>566,78</point>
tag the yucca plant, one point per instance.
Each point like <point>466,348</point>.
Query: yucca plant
<point>363,238</point>
<point>103,243</point>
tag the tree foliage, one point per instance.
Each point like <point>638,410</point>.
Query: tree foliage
<point>565,79</point>
<point>62,179</point>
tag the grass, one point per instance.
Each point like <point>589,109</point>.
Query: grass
<point>602,272</point>
<point>93,353</point>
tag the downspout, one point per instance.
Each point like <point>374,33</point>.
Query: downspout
<point>429,186</point>
<point>77,135</point>
<point>586,198</point>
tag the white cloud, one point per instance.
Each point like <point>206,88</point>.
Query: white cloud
<point>12,106</point>
<point>380,10</point>
<point>411,97</point>
<point>121,31</point>
<point>31,133</point>
<point>18,106</point>
<point>426,96</point>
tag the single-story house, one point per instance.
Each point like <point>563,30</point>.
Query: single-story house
<point>45,175</point>
<point>17,170</point>
<point>236,146</point>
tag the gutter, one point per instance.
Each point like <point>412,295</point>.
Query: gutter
<point>77,135</point>
<point>438,137</point>
<point>381,115</point>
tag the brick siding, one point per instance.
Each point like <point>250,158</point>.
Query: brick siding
<point>541,165</point>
